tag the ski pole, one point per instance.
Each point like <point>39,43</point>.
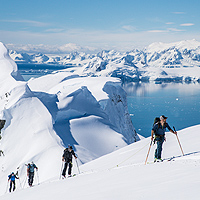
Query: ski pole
<point>148,153</point>
<point>77,166</point>
<point>61,169</point>
<point>20,183</point>
<point>178,141</point>
<point>38,177</point>
<point>25,182</point>
<point>7,187</point>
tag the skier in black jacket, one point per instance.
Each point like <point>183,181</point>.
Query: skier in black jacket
<point>67,158</point>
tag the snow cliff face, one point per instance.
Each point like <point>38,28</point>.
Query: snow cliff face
<point>46,114</point>
<point>89,112</point>
<point>8,66</point>
<point>177,62</point>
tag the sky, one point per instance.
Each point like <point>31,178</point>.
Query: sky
<point>96,24</point>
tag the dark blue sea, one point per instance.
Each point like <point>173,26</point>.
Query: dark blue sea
<point>180,102</point>
<point>36,70</point>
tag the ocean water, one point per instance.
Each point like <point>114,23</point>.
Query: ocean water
<point>36,70</point>
<point>179,102</point>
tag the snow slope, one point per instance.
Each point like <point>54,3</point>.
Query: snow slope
<point>123,175</point>
<point>46,114</point>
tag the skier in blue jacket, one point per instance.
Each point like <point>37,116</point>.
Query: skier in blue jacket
<point>159,130</point>
<point>12,178</point>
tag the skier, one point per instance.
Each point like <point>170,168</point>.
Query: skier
<point>12,178</point>
<point>30,173</point>
<point>67,158</point>
<point>159,130</point>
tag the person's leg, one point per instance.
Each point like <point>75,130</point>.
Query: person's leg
<point>13,185</point>
<point>64,170</point>
<point>31,176</point>
<point>10,186</point>
<point>29,179</point>
<point>156,154</point>
<point>159,147</point>
<point>70,168</point>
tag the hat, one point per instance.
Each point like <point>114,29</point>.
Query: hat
<point>163,117</point>
<point>69,147</point>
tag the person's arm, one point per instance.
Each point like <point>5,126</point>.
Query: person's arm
<point>169,128</point>
<point>74,154</point>
<point>35,167</point>
<point>152,133</point>
<point>63,156</point>
<point>27,170</point>
<point>154,129</point>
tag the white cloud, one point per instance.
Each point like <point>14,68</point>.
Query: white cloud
<point>128,27</point>
<point>55,30</point>
<point>175,30</point>
<point>179,13</point>
<point>29,22</point>
<point>169,23</point>
<point>49,49</point>
<point>157,31</point>
<point>187,24</point>
<point>166,30</point>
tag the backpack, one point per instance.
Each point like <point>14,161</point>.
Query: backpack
<point>31,167</point>
<point>156,120</point>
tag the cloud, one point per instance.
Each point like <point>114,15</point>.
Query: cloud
<point>128,28</point>
<point>49,49</point>
<point>169,23</point>
<point>54,30</point>
<point>157,31</point>
<point>187,24</point>
<point>166,30</point>
<point>175,30</point>
<point>29,22</point>
<point>179,13</point>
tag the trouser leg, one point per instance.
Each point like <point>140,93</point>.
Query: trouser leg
<point>13,185</point>
<point>30,178</point>
<point>10,186</point>
<point>70,168</point>
<point>159,147</point>
<point>65,168</point>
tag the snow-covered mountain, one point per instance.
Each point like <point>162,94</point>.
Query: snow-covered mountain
<point>176,62</point>
<point>46,114</point>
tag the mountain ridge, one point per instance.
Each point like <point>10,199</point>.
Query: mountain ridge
<point>165,62</point>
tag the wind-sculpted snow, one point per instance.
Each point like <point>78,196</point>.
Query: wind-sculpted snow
<point>46,114</point>
<point>173,62</point>
<point>8,66</point>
